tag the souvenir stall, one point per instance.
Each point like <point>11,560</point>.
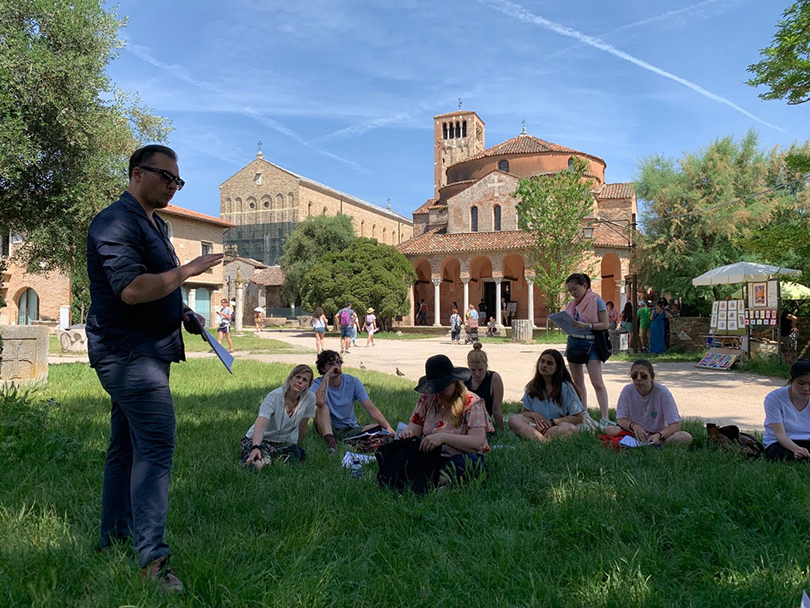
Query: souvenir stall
<point>733,319</point>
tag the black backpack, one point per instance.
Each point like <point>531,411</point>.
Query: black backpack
<point>725,436</point>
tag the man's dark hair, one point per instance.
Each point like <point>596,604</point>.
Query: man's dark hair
<point>142,156</point>
<point>325,358</point>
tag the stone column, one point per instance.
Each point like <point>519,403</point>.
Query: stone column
<point>530,284</point>
<point>192,298</point>
<point>466,297</point>
<point>498,318</point>
<point>436,304</point>
<point>240,302</point>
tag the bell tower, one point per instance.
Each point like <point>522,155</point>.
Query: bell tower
<point>457,136</point>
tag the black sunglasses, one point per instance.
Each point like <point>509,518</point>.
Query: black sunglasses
<point>642,375</point>
<point>166,177</point>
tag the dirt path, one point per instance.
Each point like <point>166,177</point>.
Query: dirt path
<point>722,397</point>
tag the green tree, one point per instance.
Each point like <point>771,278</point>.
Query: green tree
<point>552,209</point>
<point>785,67</point>
<point>309,241</point>
<point>66,132</point>
<point>367,274</point>
<point>676,247</point>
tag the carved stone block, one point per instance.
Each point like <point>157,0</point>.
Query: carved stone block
<point>24,355</point>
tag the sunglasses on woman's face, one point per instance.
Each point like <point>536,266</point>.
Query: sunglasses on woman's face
<point>641,376</point>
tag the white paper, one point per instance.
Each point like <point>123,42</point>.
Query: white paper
<point>629,441</point>
<point>401,426</point>
<point>350,458</point>
<point>565,322</point>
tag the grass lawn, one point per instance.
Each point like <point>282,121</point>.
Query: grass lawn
<point>562,524</point>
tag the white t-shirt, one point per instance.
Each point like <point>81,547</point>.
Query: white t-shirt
<point>779,408</point>
<point>548,408</point>
<point>221,314</point>
<point>654,413</point>
<point>281,426</point>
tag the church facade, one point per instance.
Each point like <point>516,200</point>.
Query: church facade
<point>266,201</point>
<point>467,247</point>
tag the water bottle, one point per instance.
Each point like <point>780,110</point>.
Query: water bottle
<point>357,469</point>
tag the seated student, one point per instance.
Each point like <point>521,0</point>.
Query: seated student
<point>451,422</point>
<point>551,404</point>
<point>787,417</point>
<point>486,384</point>
<point>339,391</point>
<point>282,421</point>
<point>647,409</point>
<point>492,328</point>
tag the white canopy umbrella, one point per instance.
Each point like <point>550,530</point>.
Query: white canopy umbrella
<point>742,272</point>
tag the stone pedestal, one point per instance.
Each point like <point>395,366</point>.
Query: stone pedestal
<point>521,330</point>
<point>24,356</point>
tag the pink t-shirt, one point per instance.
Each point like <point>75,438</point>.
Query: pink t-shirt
<point>654,412</point>
<point>426,413</point>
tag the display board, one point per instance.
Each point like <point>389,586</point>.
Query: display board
<point>728,318</point>
<point>719,358</point>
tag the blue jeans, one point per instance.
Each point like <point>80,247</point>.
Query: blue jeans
<point>135,497</point>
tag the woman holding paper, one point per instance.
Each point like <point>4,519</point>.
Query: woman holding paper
<point>589,312</point>
<point>647,409</point>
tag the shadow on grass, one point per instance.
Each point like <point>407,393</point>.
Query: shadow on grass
<point>562,524</point>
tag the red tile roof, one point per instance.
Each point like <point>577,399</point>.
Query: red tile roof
<point>626,190</point>
<point>525,144</point>
<point>196,215</point>
<point>425,209</point>
<point>438,241</point>
<point>270,276</point>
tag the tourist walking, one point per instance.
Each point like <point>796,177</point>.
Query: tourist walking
<point>370,326</point>
<point>319,323</point>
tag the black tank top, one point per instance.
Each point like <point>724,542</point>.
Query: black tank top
<point>484,390</point>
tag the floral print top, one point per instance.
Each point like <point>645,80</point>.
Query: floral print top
<point>427,415</point>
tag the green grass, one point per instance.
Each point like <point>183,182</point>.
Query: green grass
<point>764,366</point>
<point>247,341</point>
<point>672,356</point>
<point>563,524</point>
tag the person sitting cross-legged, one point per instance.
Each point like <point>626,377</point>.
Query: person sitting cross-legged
<point>551,404</point>
<point>787,417</point>
<point>335,394</point>
<point>282,422</point>
<point>648,410</point>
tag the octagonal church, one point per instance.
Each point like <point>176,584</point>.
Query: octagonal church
<point>467,248</point>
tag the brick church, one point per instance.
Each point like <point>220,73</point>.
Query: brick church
<point>467,246</point>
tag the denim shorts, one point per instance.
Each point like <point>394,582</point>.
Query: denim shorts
<point>345,331</point>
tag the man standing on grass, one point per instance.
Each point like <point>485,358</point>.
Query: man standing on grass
<point>133,334</point>
<point>335,394</point>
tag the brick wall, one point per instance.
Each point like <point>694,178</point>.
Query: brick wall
<point>52,289</point>
<point>696,328</point>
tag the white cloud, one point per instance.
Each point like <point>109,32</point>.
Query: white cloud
<point>521,13</point>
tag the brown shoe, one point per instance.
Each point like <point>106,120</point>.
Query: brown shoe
<point>159,572</point>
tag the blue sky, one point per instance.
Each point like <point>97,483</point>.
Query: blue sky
<point>344,92</point>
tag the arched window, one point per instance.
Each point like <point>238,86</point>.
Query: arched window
<point>503,166</point>
<point>324,211</point>
<point>496,217</point>
<point>28,307</point>
<point>458,129</point>
<point>571,163</point>
<point>279,201</point>
<point>374,231</point>
<point>383,237</point>
<point>444,130</point>
<point>464,129</point>
<point>251,202</point>
<point>452,131</point>
<point>474,219</point>
<point>362,227</point>
<point>290,200</point>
